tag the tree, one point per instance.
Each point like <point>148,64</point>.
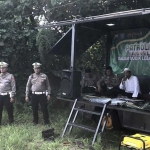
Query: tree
<point>59,10</point>
<point>18,37</point>
<point>22,44</point>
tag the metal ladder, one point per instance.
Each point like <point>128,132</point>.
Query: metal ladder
<point>84,127</point>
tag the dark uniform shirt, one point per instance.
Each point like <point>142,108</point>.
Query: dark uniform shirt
<point>87,82</point>
<point>38,83</point>
<point>110,81</point>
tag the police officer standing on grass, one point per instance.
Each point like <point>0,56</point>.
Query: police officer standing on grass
<point>39,86</point>
<point>7,91</point>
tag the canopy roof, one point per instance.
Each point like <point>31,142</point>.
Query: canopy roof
<point>90,29</point>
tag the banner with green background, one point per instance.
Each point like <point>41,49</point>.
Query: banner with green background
<point>131,49</point>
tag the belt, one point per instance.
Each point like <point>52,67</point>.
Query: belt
<point>38,93</point>
<point>109,87</point>
<point>4,93</point>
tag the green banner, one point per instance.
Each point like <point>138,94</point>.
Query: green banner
<point>131,49</point>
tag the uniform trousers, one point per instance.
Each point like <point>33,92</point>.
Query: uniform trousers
<point>129,95</point>
<point>111,93</point>
<point>5,101</point>
<point>42,100</point>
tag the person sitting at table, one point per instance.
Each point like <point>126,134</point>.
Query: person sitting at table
<point>109,84</point>
<point>130,85</point>
<point>88,82</point>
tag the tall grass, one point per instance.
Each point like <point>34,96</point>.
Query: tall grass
<point>22,135</point>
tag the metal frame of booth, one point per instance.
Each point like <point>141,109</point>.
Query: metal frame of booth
<point>137,114</point>
<point>139,119</point>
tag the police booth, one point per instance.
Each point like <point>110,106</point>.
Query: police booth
<point>128,45</point>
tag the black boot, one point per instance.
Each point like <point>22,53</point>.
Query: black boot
<point>35,122</point>
<point>47,122</point>
<point>11,121</point>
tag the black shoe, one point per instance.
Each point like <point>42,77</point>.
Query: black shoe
<point>35,123</point>
<point>47,123</point>
<point>11,122</point>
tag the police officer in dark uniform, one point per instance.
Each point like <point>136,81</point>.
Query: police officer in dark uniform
<point>39,85</point>
<point>109,84</point>
<point>7,91</point>
<point>88,82</point>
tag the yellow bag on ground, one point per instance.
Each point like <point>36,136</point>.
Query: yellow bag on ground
<point>135,141</point>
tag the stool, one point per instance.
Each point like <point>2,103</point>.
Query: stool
<point>135,142</point>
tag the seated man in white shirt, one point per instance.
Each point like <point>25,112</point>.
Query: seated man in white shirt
<point>130,85</point>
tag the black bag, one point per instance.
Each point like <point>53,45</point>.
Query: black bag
<point>48,134</point>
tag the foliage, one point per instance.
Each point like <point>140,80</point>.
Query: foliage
<point>59,10</point>
<point>94,57</point>
<point>45,41</point>
<point>46,38</point>
<point>18,37</point>
<point>18,34</point>
<point>24,136</point>
<point>21,44</point>
<point>66,9</point>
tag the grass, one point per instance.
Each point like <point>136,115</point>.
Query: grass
<point>24,136</point>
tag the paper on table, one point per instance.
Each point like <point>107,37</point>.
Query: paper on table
<point>101,100</point>
<point>117,102</point>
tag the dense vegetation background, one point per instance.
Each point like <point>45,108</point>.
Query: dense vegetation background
<point>21,43</point>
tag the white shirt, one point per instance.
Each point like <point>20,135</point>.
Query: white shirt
<point>131,85</point>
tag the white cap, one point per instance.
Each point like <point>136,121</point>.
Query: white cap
<point>3,64</point>
<point>36,65</point>
<point>126,69</point>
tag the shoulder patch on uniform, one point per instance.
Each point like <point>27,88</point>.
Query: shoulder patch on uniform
<point>43,75</point>
<point>12,78</point>
<point>8,74</point>
<point>31,76</point>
